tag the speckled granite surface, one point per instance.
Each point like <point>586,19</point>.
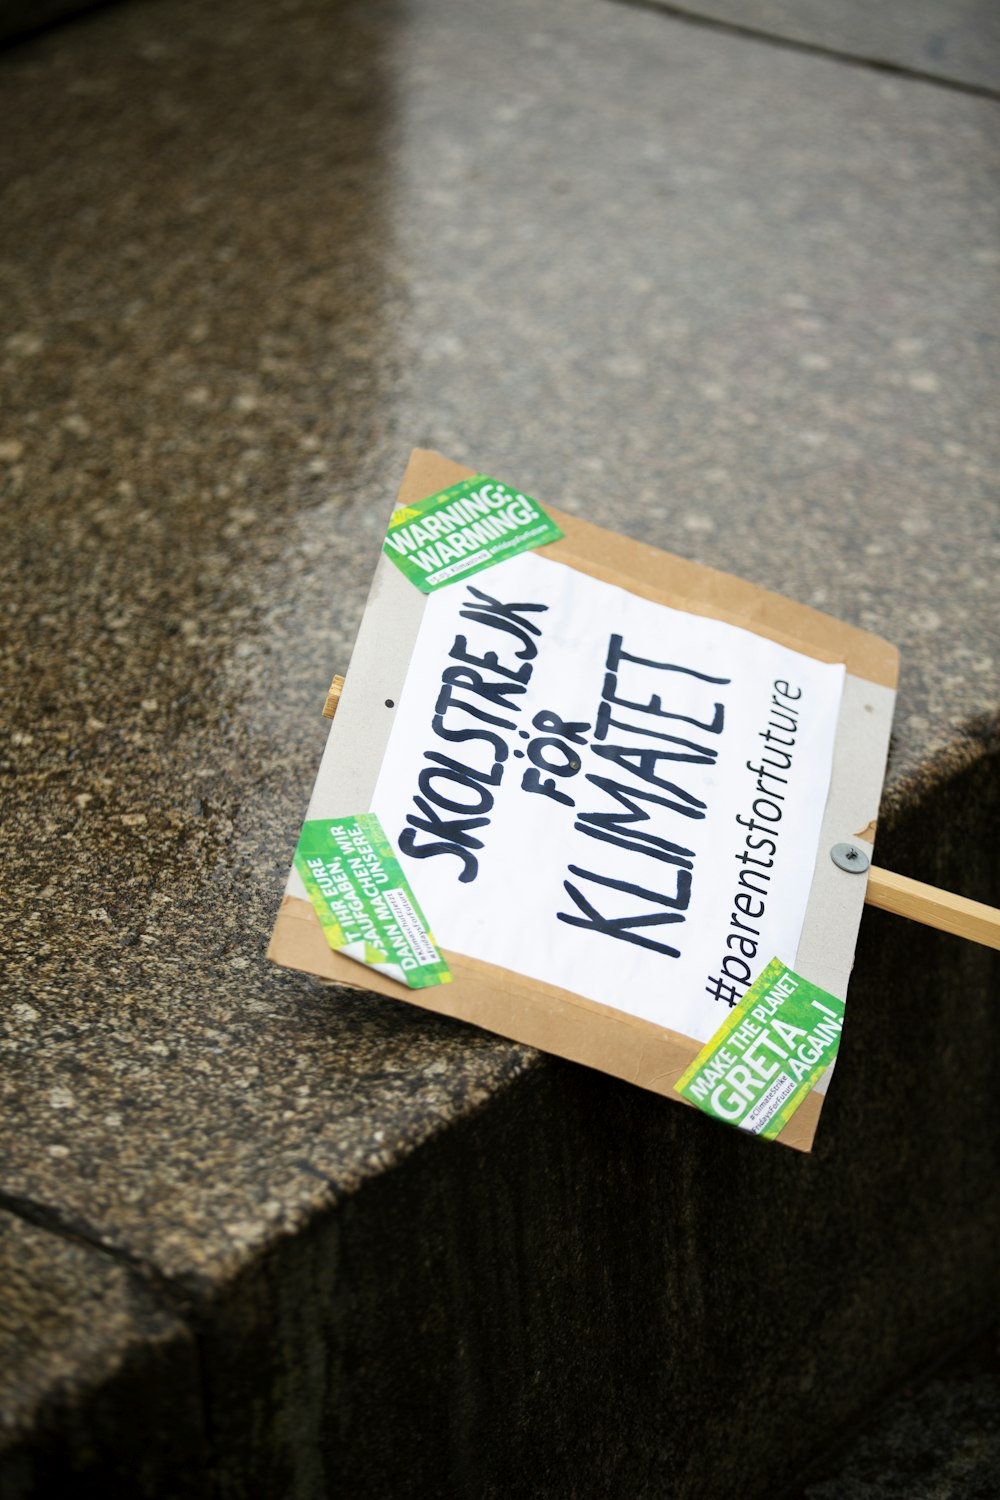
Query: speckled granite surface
<point>96,1363</point>
<point>938,1440</point>
<point>738,303</point>
<point>957,41</point>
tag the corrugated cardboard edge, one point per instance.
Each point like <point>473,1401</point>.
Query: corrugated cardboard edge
<point>527,1010</point>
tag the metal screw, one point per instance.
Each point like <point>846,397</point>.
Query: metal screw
<point>850,857</point>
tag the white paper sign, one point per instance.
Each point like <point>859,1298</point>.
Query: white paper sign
<point>615,797</point>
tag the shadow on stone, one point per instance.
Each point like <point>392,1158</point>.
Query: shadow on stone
<point>583,1290</point>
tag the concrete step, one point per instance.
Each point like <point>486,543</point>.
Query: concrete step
<point>938,1439</point>
<point>733,300</point>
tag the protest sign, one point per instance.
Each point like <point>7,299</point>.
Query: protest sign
<point>611,779</point>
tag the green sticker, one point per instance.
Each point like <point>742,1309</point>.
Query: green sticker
<point>463,529</point>
<point>767,1054</point>
<point>362,899</point>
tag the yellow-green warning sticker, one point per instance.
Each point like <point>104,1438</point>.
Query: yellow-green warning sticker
<point>768,1053</point>
<point>463,529</point>
<point>365,905</point>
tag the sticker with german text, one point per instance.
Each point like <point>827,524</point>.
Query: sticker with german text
<point>768,1053</point>
<point>363,900</point>
<point>463,529</point>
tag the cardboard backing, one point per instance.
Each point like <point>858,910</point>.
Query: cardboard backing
<point>527,1010</point>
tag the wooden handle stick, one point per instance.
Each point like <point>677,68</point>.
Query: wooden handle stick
<point>925,903</point>
<point>333,697</point>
